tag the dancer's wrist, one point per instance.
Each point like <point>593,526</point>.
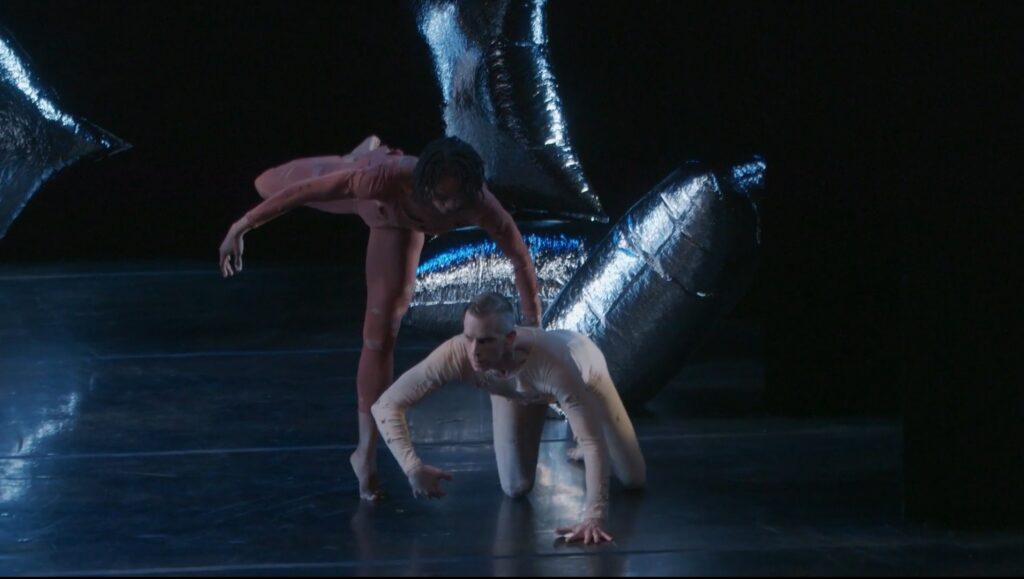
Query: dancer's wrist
<point>243,225</point>
<point>415,466</point>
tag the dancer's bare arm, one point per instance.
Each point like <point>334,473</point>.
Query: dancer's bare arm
<point>493,219</point>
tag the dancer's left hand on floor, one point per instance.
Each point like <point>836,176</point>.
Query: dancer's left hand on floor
<point>589,531</point>
<point>426,481</point>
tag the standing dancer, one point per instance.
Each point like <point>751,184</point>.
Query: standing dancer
<point>400,197</point>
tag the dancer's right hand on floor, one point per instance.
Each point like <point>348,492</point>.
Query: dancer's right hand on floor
<point>426,481</point>
<point>232,248</point>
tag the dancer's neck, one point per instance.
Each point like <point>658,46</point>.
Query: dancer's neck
<point>515,357</point>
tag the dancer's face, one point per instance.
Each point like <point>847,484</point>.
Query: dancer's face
<point>448,197</point>
<point>488,337</point>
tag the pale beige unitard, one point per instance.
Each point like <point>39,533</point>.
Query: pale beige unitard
<point>562,366</point>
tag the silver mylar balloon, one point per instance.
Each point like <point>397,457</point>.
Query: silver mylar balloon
<point>37,139</point>
<point>678,260</point>
<point>500,95</point>
<point>458,266</point>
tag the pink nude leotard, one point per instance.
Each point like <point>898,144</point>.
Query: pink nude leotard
<point>377,186</point>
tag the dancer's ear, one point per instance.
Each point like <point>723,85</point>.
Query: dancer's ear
<point>510,337</point>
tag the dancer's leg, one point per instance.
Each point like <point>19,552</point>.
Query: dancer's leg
<point>369,143</point>
<point>391,259</point>
<point>517,432</point>
<point>277,179</point>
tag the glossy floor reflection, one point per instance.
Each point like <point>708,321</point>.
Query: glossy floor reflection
<point>156,419</point>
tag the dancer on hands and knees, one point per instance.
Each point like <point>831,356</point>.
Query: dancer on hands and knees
<point>524,369</point>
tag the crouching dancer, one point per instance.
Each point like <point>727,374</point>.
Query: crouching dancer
<point>524,369</point>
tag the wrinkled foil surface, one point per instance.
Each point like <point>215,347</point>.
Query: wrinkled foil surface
<point>679,259</point>
<point>456,267</point>
<point>37,139</point>
<point>500,95</point>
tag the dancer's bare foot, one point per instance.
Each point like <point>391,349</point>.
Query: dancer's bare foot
<point>365,467</point>
<point>574,454</point>
<point>554,412</point>
<point>369,143</point>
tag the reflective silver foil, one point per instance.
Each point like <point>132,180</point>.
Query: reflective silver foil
<point>500,95</point>
<point>456,267</point>
<point>37,139</point>
<point>678,260</point>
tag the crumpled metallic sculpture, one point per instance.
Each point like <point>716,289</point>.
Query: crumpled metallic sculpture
<point>456,267</point>
<point>37,139</point>
<point>677,261</point>
<point>500,96</point>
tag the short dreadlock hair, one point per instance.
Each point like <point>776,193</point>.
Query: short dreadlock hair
<point>453,157</point>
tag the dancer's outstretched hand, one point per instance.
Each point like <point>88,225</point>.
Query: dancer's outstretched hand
<point>231,249</point>
<point>589,531</point>
<point>426,481</point>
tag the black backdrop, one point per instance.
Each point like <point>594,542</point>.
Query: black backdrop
<point>864,111</point>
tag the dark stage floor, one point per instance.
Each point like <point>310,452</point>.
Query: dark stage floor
<point>157,419</point>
